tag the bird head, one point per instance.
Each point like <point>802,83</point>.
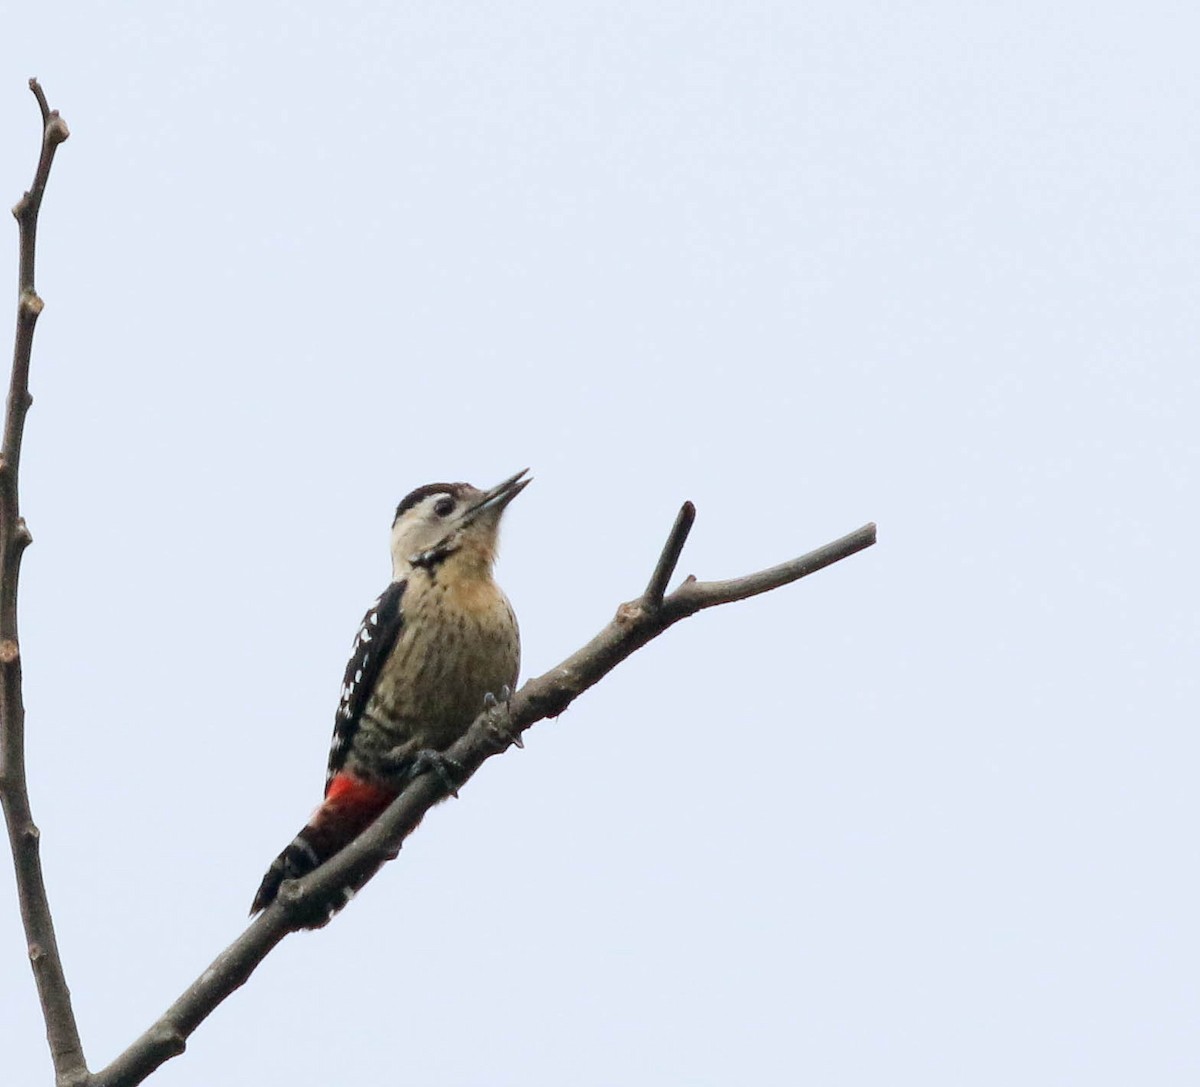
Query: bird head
<point>440,520</point>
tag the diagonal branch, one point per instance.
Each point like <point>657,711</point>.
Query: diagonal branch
<point>61,1031</point>
<point>635,624</point>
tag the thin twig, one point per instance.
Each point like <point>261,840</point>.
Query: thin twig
<point>669,559</point>
<point>548,695</point>
<point>61,1031</point>
<point>693,596</point>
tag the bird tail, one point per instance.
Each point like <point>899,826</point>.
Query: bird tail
<point>350,806</point>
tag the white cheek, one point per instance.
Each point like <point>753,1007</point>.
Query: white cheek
<point>418,530</point>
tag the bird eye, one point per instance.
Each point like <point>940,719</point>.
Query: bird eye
<point>444,506</point>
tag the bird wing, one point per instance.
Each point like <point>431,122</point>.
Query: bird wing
<point>377,634</point>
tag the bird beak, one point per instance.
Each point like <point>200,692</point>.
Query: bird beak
<point>499,496</point>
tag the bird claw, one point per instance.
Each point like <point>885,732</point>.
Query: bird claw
<point>447,769</point>
<point>497,722</point>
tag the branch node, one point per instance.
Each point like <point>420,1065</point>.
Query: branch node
<point>9,651</point>
<point>290,893</point>
<point>56,130</point>
<point>169,1039</point>
<point>31,304</point>
<point>302,910</point>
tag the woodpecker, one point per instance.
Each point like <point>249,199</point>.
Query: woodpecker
<point>436,647</point>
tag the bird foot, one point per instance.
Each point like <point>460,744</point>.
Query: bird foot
<point>497,721</point>
<point>449,772</point>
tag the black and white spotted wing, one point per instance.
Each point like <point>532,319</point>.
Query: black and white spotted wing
<point>376,636</point>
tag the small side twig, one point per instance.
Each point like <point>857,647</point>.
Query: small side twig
<point>635,623</point>
<point>669,559</point>
<point>61,1032</point>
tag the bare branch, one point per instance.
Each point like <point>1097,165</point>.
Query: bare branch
<point>302,900</point>
<point>693,596</point>
<point>168,1036</point>
<point>61,1031</point>
<point>669,559</point>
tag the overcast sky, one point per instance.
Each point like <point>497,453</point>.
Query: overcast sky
<point>927,818</point>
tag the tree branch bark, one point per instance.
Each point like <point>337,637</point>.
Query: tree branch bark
<point>61,1031</point>
<point>299,901</point>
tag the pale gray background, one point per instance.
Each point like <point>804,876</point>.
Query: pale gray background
<point>927,818</point>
